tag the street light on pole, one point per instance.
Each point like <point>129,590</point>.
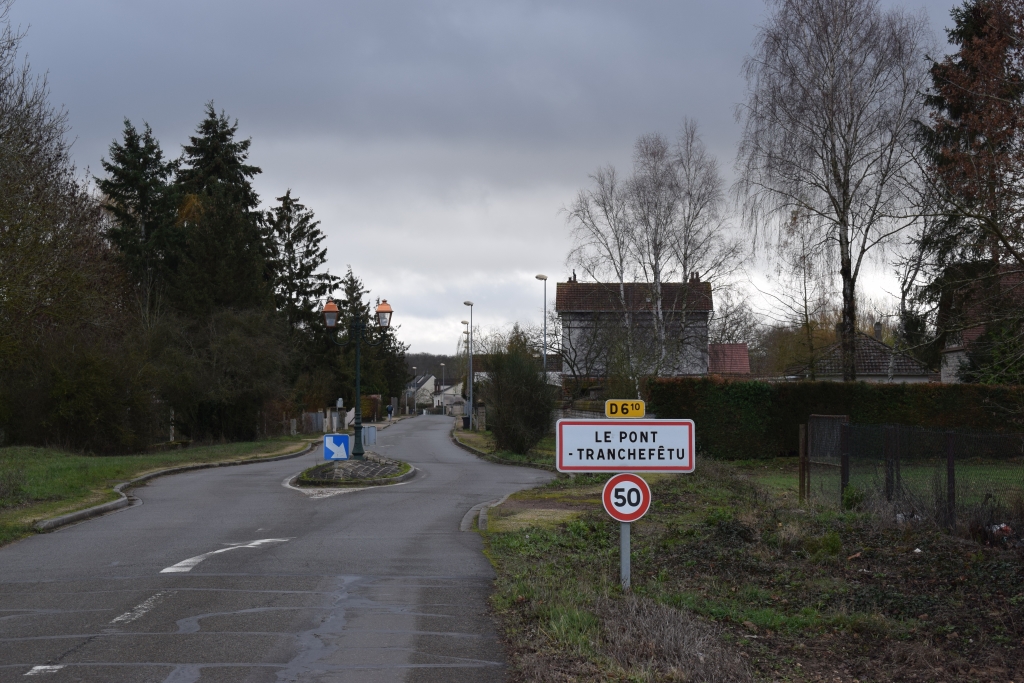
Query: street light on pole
<point>442,389</point>
<point>544,278</point>
<point>357,333</point>
<point>407,392</point>
<point>472,422</point>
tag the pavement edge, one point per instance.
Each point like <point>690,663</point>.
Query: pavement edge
<point>123,501</point>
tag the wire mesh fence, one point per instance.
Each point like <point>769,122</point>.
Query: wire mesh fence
<point>951,477</point>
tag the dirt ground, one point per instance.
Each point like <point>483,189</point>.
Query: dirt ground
<point>776,591</point>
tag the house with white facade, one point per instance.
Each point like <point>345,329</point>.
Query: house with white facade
<point>601,319</point>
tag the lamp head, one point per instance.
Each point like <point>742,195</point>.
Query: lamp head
<point>330,314</point>
<point>465,322</point>
<point>384,312</point>
<point>468,303</point>
<point>542,277</point>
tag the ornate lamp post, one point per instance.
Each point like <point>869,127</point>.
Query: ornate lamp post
<point>357,333</point>
<point>472,416</point>
<point>544,278</point>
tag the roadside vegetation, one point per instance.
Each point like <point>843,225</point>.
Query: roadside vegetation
<point>734,580</point>
<point>541,455</point>
<point>39,483</point>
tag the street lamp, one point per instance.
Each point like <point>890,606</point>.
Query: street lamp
<point>357,332</point>
<point>472,422</point>
<point>407,392</point>
<point>545,279</point>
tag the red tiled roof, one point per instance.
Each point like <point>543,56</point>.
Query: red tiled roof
<point>728,359</point>
<point>594,297</point>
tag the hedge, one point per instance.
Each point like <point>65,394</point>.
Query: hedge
<point>740,420</point>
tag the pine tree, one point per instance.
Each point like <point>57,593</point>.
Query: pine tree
<point>383,369</point>
<point>136,194</point>
<point>225,262</point>
<point>296,258</point>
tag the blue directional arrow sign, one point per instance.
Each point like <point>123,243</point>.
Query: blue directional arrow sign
<point>336,447</point>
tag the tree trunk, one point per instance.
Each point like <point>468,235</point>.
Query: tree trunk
<point>849,324</point>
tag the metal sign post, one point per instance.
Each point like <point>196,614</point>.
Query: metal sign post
<point>624,554</point>
<point>626,498</point>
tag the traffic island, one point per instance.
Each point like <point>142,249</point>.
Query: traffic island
<point>376,470</point>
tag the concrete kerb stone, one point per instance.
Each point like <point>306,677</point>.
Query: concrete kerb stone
<point>124,501</point>
<point>384,481</point>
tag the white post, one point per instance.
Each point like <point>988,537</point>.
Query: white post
<point>624,554</point>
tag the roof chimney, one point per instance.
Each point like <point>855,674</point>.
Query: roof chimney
<point>878,331</point>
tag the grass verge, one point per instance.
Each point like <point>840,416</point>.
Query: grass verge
<point>734,570</point>
<point>39,483</point>
<point>541,456</point>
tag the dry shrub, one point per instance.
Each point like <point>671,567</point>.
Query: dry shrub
<point>536,667</point>
<point>641,634</point>
<point>906,659</point>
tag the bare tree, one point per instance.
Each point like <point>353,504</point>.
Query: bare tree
<point>804,293</point>
<point>664,223</point>
<point>829,128</point>
<point>700,238</point>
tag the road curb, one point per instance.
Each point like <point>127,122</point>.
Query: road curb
<point>79,515</point>
<point>382,481</point>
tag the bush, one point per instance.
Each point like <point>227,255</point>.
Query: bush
<point>739,420</point>
<point>518,398</point>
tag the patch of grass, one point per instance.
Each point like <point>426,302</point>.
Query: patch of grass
<point>541,456</point>
<point>37,483</point>
<point>800,593</point>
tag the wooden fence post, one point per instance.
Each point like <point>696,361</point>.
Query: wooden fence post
<point>844,460</point>
<point>890,465</point>
<point>804,488</point>
<point>950,481</point>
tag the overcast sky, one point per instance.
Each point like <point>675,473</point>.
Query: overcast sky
<point>436,141</point>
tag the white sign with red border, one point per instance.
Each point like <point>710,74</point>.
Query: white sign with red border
<point>624,446</point>
<point>626,497</point>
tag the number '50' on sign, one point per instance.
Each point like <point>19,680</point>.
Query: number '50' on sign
<point>626,497</point>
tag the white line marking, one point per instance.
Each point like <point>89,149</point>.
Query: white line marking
<point>36,670</point>
<point>187,565</point>
<point>140,609</point>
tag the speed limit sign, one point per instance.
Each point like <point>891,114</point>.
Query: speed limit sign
<point>626,497</point>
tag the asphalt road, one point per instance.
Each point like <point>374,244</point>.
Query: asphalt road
<point>267,583</point>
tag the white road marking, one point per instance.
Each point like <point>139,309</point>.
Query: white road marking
<point>140,609</point>
<point>187,565</point>
<point>36,670</point>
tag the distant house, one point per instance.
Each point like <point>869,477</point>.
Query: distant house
<point>448,396</point>
<point>596,317</point>
<point>978,295</point>
<point>874,360</point>
<point>728,360</point>
<point>421,390</point>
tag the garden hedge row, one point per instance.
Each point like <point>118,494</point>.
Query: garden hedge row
<point>739,420</point>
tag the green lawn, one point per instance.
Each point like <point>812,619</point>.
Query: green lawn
<point>38,483</point>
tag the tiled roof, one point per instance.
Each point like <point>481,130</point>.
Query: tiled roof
<point>592,297</point>
<point>871,358</point>
<point>728,359</point>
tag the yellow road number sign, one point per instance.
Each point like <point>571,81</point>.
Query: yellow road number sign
<point>620,408</point>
